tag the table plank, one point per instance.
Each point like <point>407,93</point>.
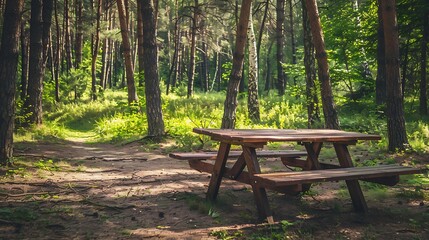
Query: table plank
<point>241,136</point>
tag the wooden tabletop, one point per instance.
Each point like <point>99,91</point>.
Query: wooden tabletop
<point>283,135</point>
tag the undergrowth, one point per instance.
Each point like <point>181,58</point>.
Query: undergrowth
<point>111,119</point>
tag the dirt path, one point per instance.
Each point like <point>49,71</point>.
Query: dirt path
<point>104,191</point>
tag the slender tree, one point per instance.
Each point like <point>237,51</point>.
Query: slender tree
<point>230,105</point>
<point>191,71</point>
<point>153,93</point>
<point>252,96</point>
<point>94,47</point>
<point>9,53</point>
<point>313,115</point>
<point>395,108</point>
<point>380,82</point>
<point>79,33</point>
<point>129,69</point>
<point>329,111</point>
<point>423,66</point>
<point>281,78</point>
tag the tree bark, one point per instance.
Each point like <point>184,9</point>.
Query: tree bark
<point>39,35</point>
<point>230,105</point>
<point>9,53</point>
<point>252,97</point>
<point>329,111</point>
<point>79,34</point>
<point>313,115</point>
<point>153,93</point>
<point>191,71</point>
<point>292,36</point>
<point>95,45</point>
<point>24,60</point>
<point>395,109</point>
<point>380,81</point>
<point>281,78</point>
<point>423,66</point>
<point>67,36</point>
<point>140,51</point>
<point>132,92</point>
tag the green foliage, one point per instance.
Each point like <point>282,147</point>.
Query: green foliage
<point>47,165</point>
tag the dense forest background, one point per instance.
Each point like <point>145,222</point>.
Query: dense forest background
<point>127,63</point>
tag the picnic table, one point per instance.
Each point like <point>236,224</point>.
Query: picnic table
<point>286,181</point>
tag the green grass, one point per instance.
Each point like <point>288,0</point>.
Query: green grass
<point>111,119</point>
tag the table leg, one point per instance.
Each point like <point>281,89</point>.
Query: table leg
<point>259,193</point>
<point>313,151</point>
<point>355,190</point>
<point>218,171</point>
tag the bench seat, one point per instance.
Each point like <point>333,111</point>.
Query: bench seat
<point>236,154</point>
<point>356,173</point>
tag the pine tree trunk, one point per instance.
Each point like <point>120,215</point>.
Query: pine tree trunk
<point>281,79</point>
<point>268,79</point>
<point>79,34</point>
<point>67,36</point>
<point>329,111</point>
<point>9,53</point>
<point>24,60</point>
<point>395,109</point>
<point>152,90</point>
<point>261,29</point>
<point>252,100</point>
<point>313,115</point>
<point>191,71</point>
<point>423,68</point>
<point>95,44</point>
<point>230,106</point>
<point>292,36</point>
<point>140,51</point>
<point>132,92</point>
<point>57,55</point>
<point>39,33</point>
<point>380,81</point>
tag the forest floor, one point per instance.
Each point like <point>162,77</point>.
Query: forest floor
<point>75,190</point>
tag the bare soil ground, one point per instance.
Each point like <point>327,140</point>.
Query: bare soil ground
<point>121,192</point>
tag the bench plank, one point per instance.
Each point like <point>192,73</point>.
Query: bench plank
<point>235,154</point>
<point>356,173</point>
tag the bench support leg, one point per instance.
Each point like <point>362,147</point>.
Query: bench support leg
<point>259,192</point>
<point>218,171</point>
<point>355,190</point>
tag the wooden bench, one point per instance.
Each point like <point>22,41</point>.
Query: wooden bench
<point>390,174</point>
<point>196,161</point>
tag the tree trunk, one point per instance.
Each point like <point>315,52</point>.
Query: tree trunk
<point>79,34</point>
<point>281,79</point>
<point>152,90</point>
<point>132,92</point>
<point>395,109</point>
<point>261,29</point>
<point>423,66</point>
<point>39,33</point>
<point>230,106</point>
<point>67,36</point>
<point>380,81</point>
<point>313,115</point>
<point>9,53</point>
<point>292,36</point>
<point>95,45</point>
<point>268,76</point>
<point>24,60</point>
<point>57,56</point>
<point>191,71</point>
<point>252,97</point>
<point>329,111</point>
<point>140,51</point>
